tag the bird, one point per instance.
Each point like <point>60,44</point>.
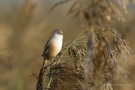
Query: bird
<point>53,46</point>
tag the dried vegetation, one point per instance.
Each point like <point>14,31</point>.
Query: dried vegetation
<point>69,71</point>
<point>97,63</point>
<point>98,58</point>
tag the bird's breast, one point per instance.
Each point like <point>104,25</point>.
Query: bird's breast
<point>55,47</point>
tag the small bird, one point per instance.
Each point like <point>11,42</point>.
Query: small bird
<point>53,45</point>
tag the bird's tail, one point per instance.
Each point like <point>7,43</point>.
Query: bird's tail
<point>44,61</point>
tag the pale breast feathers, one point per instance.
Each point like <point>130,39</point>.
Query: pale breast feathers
<point>55,47</point>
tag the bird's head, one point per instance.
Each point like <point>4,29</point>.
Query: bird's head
<point>57,33</point>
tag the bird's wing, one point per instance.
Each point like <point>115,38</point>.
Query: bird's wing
<point>46,47</point>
